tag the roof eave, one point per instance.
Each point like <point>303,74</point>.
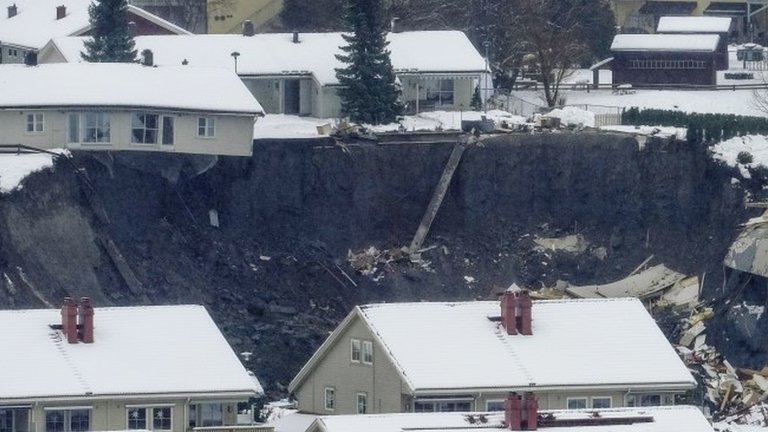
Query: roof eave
<point>669,386</point>
<point>219,394</point>
<point>132,108</point>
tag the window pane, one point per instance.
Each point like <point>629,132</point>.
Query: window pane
<point>167,130</point>
<point>355,350</point>
<point>30,123</point>
<point>494,405</point>
<point>330,399</point>
<point>74,129</point>
<point>6,420</point>
<point>161,418</point>
<point>601,402</point>
<point>54,421</point>
<point>192,416</point>
<point>650,400</point>
<point>577,403</point>
<point>79,420</point>
<point>367,352</point>
<point>211,415</point>
<point>362,403</point>
<point>137,418</point>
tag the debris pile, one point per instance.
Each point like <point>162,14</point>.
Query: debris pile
<point>376,263</point>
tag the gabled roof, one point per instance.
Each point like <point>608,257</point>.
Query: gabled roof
<point>142,350</point>
<point>275,54</point>
<point>125,85</point>
<point>697,24</point>
<point>449,347</point>
<point>35,22</point>
<point>665,419</point>
<point>665,42</point>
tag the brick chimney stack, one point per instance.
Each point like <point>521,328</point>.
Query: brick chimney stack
<point>512,412</point>
<point>520,414</point>
<point>509,312</point>
<point>12,10</point>
<point>525,324</point>
<point>61,12</point>
<point>248,28</point>
<point>69,320</point>
<point>85,316</point>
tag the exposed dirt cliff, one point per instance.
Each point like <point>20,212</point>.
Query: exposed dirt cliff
<point>275,274</point>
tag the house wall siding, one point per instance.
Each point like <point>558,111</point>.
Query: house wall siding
<point>233,134</point>
<point>380,380</point>
<point>112,415</point>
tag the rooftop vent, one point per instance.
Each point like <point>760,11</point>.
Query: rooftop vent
<point>12,10</point>
<point>248,28</point>
<point>61,12</point>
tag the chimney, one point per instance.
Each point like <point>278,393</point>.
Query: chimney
<point>69,320</point>
<point>524,320</point>
<point>85,316</point>
<point>393,25</point>
<point>512,412</point>
<point>12,10</point>
<point>248,29</point>
<point>61,12</point>
<point>296,37</point>
<point>132,28</point>
<point>509,312</point>
<point>530,412</point>
<point>147,57</point>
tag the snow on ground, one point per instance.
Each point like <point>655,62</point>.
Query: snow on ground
<point>291,126</point>
<point>728,151</point>
<point>659,131</point>
<point>15,167</point>
<point>573,116</point>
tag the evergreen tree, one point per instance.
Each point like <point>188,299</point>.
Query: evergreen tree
<point>111,39</point>
<point>368,91</point>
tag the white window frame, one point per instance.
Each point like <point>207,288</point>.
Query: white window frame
<point>355,351</point>
<point>580,398</point>
<point>361,397</point>
<point>367,352</point>
<point>103,118</point>
<point>330,398</point>
<point>37,121</point>
<point>164,126</point>
<point>610,401</point>
<point>206,125</point>
<point>67,412</point>
<point>491,401</point>
<point>149,416</point>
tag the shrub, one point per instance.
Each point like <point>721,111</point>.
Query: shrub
<point>744,158</point>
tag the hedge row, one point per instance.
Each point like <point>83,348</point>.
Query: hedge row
<point>701,127</point>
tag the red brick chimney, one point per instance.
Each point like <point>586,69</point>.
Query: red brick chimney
<point>519,414</point>
<point>85,316</point>
<point>512,412</point>
<point>509,312</point>
<point>69,320</point>
<point>524,319</point>
<point>530,412</point>
<point>61,12</point>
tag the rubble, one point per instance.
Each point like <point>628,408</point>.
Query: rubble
<point>646,284</point>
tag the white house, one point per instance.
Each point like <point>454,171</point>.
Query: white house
<point>468,356</point>
<point>151,368</point>
<point>296,73</point>
<point>108,106</point>
<point>27,25</point>
<point>648,419</point>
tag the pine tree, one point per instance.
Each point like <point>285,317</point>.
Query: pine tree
<point>368,91</point>
<point>111,38</point>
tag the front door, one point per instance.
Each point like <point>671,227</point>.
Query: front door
<point>291,97</point>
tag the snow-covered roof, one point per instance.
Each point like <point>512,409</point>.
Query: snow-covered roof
<point>665,42</point>
<point>136,351</point>
<point>276,54</point>
<point>665,419</point>
<point>693,24</point>
<point>125,85</point>
<point>475,353</point>
<point>35,22</point>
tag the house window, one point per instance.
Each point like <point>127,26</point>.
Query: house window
<point>602,402</point>
<point>211,414</point>
<point>494,405</point>
<point>439,92</point>
<point>88,128</point>
<point>354,348</point>
<point>35,123</point>
<point>145,128</point>
<point>576,403</point>
<point>67,420</point>
<point>330,398</point>
<point>167,130</point>
<point>367,352</point>
<point>206,127</point>
<point>160,418</point>
<point>442,405</point>
<point>650,400</point>
<point>6,420</point>
<point>362,403</point>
